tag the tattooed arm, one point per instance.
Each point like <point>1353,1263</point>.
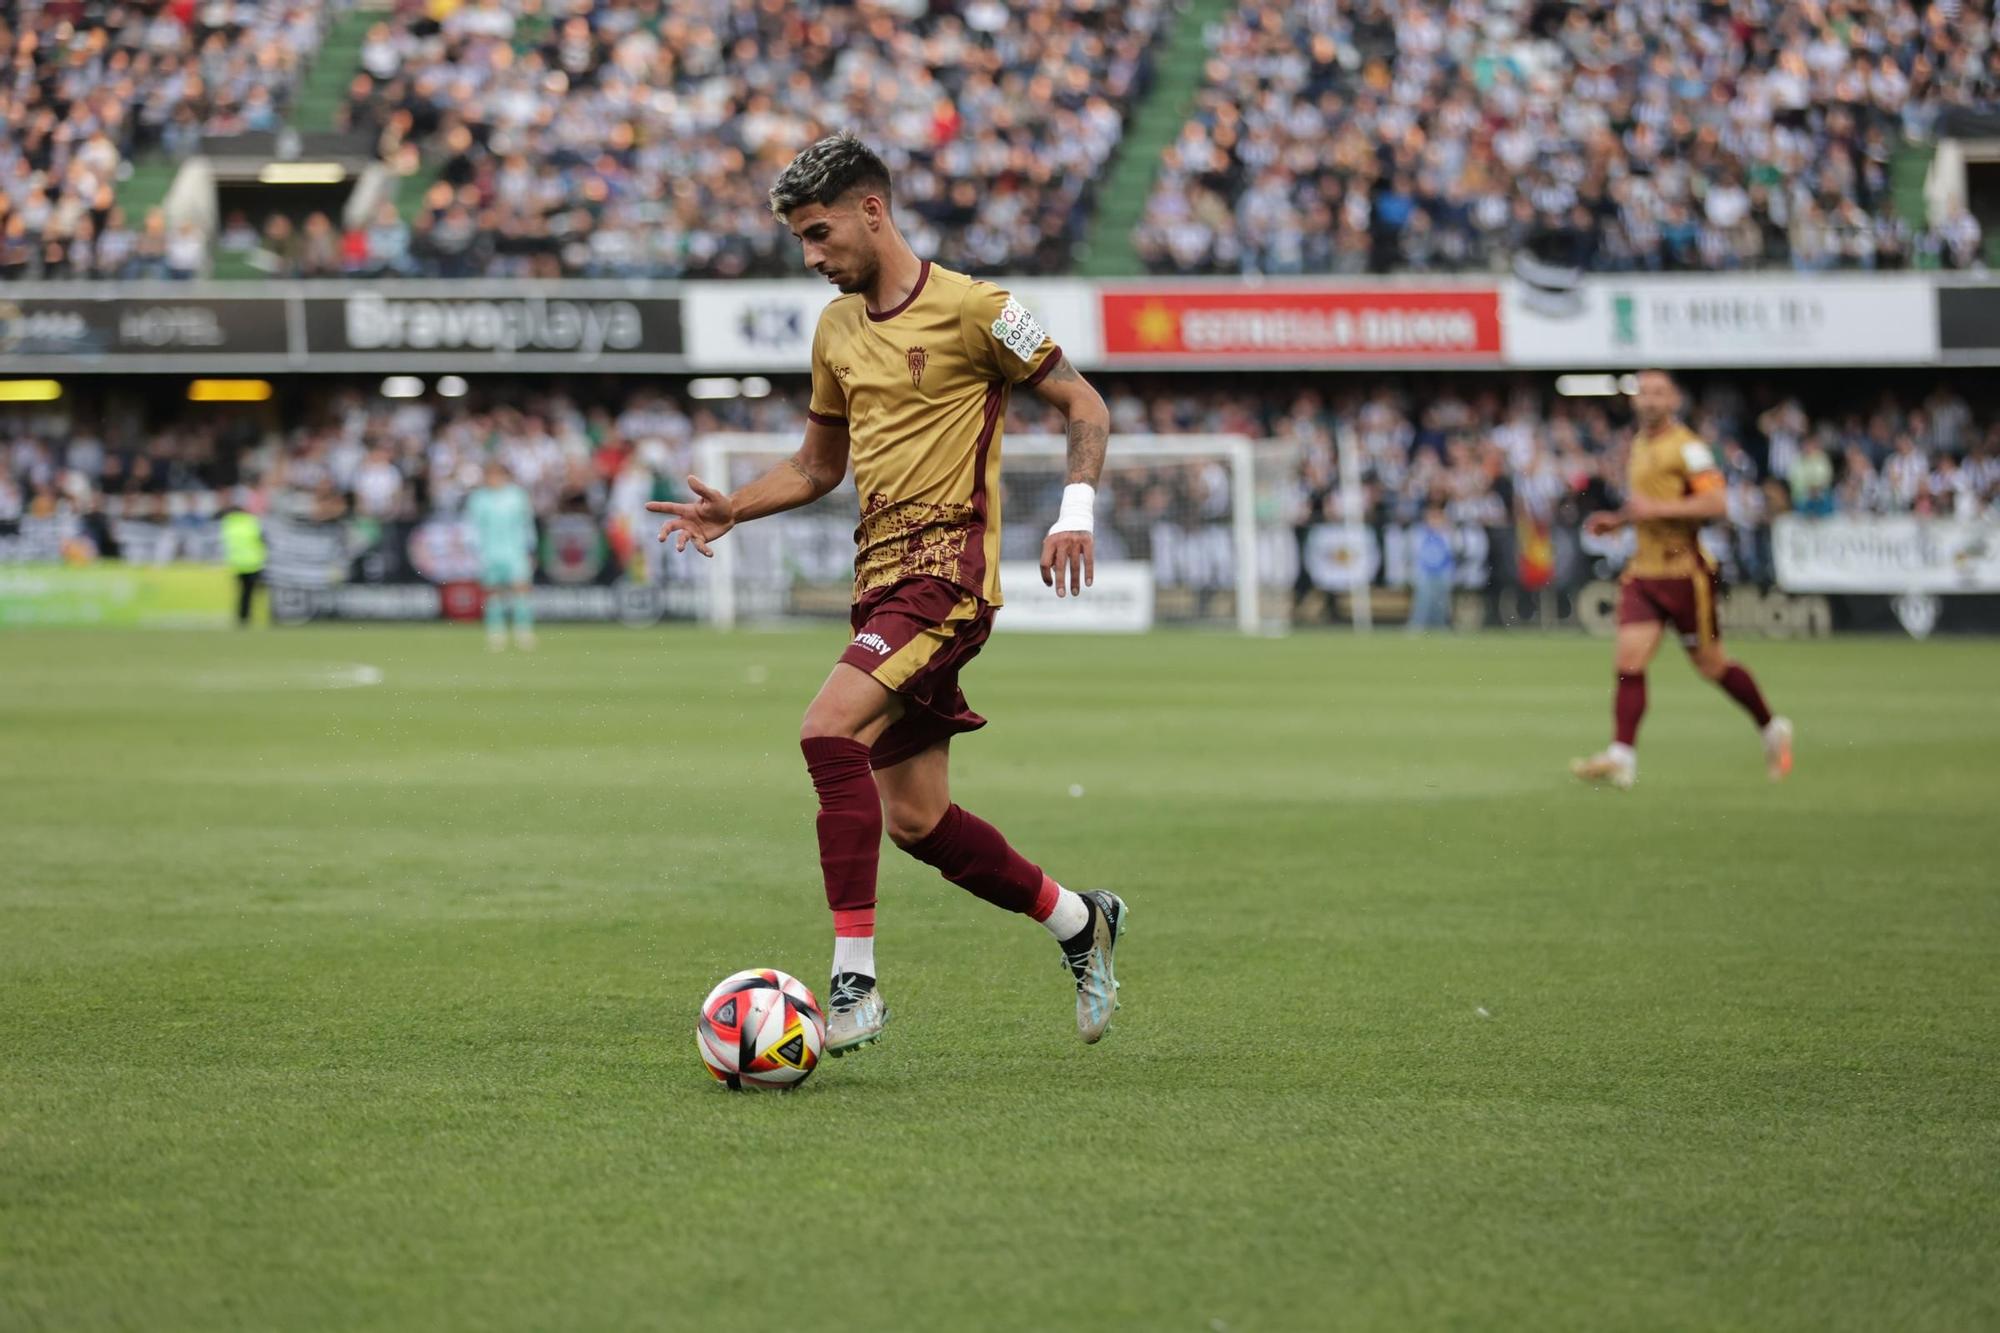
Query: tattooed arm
<point>1069,554</point>
<point>1089,420</point>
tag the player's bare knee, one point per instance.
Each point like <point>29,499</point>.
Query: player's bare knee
<point>824,723</point>
<point>908,823</point>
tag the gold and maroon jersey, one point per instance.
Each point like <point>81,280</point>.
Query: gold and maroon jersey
<point>1668,465</point>
<point>923,392</point>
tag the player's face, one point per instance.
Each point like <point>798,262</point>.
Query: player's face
<point>1656,400</point>
<point>838,241</point>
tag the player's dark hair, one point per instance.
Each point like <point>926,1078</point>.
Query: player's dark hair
<point>827,172</point>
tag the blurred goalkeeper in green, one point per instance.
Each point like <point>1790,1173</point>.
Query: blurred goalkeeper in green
<point>503,527</point>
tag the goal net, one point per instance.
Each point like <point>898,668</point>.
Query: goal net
<point>1190,531</point>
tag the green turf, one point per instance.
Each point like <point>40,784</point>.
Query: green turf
<point>325,1005</point>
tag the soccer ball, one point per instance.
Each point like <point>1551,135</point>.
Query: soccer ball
<point>760,1029</point>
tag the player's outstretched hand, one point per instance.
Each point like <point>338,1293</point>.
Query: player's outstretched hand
<point>702,522</point>
<point>1069,562</point>
<point>1603,523</point>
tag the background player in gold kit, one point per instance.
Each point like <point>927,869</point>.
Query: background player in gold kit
<point>911,369</point>
<point>1673,488</point>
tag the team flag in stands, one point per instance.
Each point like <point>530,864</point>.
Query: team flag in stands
<point>1536,561</point>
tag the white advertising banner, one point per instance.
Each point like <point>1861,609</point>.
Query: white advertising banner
<point>768,325</point>
<point>1118,601</point>
<point>1716,321</point>
<point>1068,310</point>
<point>751,325</point>
<point>1886,555</point>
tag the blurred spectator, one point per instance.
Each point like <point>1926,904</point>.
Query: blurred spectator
<point>282,250</point>
<point>319,249</point>
<point>1432,561</point>
<point>187,252</point>
<point>1811,479</point>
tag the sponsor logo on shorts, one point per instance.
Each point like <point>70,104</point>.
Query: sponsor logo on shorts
<point>874,642</point>
<point>1017,330</point>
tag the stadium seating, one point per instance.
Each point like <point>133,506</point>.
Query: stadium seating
<point>635,139</point>
<point>630,138</point>
<point>1423,136</point>
<point>86,87</point>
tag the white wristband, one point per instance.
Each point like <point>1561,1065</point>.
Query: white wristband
<point>1078,502</point>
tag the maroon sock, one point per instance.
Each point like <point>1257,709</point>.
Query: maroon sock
<point>1741,686</point>
<point>1628,706</point>
<point>972,854</point>
<point>850,822</point>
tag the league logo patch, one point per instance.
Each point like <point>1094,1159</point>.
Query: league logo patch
<point>919,356</point>
<point>1017,330</point>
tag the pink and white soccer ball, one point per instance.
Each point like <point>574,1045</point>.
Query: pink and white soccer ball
<point>760,1029</point>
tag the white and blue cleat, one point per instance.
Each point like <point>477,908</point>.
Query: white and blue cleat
<point>1096,982</point>
<point>855,1018</point>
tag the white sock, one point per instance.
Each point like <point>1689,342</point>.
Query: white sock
<point>1624,754</point>
<point>854,953</point>
<point>1070,916</point>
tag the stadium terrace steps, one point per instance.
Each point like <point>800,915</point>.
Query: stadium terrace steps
<point>1109,251</point>
<point>146,188</point>
<point>325,85</point>
<point>1907,170</point>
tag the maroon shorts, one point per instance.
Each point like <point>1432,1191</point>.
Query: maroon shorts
<point>1687,602</point>
<point>914,636</point>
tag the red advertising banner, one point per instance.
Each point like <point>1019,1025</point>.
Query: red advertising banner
<point>1246,326</point>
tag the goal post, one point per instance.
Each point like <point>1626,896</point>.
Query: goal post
<point>1195,519</point>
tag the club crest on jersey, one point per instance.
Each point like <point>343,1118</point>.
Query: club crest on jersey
<point>919,357</point>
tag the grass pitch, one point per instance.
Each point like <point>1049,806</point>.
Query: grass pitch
<point>346,981</point>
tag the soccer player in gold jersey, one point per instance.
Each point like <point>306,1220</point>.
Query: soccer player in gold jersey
<point>1672,489</point>
<point>911,370</point>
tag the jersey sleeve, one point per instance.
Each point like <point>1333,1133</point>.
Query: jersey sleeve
<point>1003,340</point>
<point>1699,470</point>
<point>829,398</point>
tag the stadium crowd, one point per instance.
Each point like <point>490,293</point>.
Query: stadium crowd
<point>87,84</point>
<point>1490,452</point>
<point>1353,136</point>
<point>634,137</point>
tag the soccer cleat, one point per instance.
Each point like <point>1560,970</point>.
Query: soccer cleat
<point>1096,984</point>
<point>855,1018</point>
<point>1606,769</point>
<point>524,639</point>
<point>1778,748</point>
